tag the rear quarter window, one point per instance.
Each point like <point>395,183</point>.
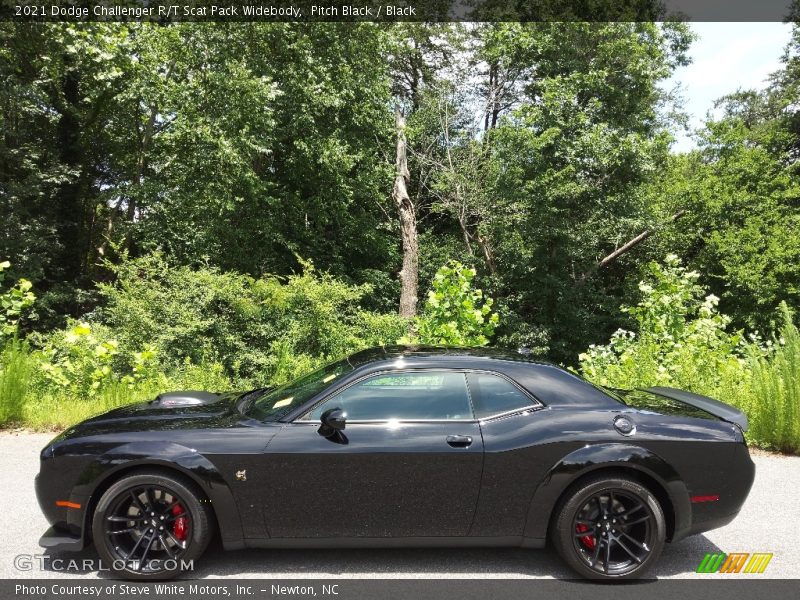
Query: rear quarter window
<point>493,395</point>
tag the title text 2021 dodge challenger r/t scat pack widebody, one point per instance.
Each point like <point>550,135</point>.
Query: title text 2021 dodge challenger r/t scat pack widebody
<point>400,447</point>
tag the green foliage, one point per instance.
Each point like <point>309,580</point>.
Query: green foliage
<point>13,303</point>
<point>166,327</point>
<point>264,330</point>
<point>187,166</point>
<point>681,338</point>
<point>742,227</point>
<point>682,341</point>
<point>774,407</point>
<point>455,314</point>
<point>245,143</point>
<point>85,359</point>
<point>566,167</point>
<point>16,369</point>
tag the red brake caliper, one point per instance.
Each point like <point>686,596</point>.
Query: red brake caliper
<point>587,540</point>
<point>180,526</point>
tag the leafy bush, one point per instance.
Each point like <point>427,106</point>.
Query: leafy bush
<point>455,314</point>
<point>681,339</point>
<point>165,327</point>
<point>13,303</point>
<point>262,330</point>
<point>79,359</point>
<point>85,358</point>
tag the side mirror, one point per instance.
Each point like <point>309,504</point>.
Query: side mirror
<point>333,421</point>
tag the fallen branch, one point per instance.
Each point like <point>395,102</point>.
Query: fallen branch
<point>607,260</point>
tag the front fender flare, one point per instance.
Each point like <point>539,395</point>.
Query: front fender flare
<point>594,457</point>
<point>170,456</point>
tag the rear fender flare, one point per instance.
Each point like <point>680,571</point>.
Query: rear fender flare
<point>594,457</point>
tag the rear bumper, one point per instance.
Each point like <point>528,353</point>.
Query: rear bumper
<point>60,540</point>
<point>732,489</point>
<point>706,525</point>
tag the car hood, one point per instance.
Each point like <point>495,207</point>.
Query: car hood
<point>176,410</point>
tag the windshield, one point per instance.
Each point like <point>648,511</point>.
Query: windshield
<point>274,403</point>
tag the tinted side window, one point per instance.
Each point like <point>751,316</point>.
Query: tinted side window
<point>403,396</point>
<point>492,395</point>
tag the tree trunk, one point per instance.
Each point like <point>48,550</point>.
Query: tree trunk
<point>69,208</point>
<point>409,275</point>
<point>488,255</point>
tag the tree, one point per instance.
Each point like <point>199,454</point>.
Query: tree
<point>420,53</point>
<point>248,143</point>
<point>409,275</point>
<point>568,164</point>
<point>59,91</point>
<point>738,194</point>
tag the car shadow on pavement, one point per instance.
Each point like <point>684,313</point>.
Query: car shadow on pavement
<point>681,558</point>
<point>677,559</point>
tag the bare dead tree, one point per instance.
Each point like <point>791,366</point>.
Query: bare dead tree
<point>409,275</point>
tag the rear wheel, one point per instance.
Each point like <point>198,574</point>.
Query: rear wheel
<point>149,526</point>
<point>609,528</point>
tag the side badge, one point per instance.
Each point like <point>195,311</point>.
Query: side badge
<point>241,475</point>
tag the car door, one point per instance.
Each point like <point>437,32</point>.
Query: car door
<point>407,464</point>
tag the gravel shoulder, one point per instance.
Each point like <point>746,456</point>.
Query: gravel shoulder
<point>766,524</point>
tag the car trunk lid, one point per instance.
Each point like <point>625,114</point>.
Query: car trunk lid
<point>723,411</point>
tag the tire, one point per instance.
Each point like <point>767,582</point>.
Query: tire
<point>151,525</point>
<point>624,526</point>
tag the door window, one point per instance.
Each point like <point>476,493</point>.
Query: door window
<point>410,396</point>
<point>493,395</point>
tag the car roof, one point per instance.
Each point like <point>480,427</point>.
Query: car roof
<point>550,384</point>
<point>448,353</point>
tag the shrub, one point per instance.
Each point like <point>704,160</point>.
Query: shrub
<point>681,339</point>
<point>78,359</point>
<point>455,314</point>
<point>13,303</point>
<point>262,330</point>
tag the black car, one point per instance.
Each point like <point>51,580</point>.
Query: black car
<point>400,447</point>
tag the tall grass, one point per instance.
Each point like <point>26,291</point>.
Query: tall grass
<point>47,407</point>
<point>60,410</point>
<point>774,403</point>
<point>16,368</point>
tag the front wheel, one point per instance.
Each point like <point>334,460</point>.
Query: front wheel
<point>609,528</point>
<point>151,526</point>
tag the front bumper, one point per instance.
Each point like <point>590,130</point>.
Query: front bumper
<point>60,540</point>
<point>64,510</point>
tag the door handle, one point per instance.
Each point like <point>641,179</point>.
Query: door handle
<point>459,441</point>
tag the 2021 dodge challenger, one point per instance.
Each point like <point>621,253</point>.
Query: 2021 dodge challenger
<point>400,447</point>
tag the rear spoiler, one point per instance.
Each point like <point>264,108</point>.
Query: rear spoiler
<point>726,412</point>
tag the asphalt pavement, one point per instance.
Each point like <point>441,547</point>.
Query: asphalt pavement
<point>767,523</point>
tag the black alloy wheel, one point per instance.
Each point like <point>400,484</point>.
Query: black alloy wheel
<point>151,526</point>
<point>610,528</point>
